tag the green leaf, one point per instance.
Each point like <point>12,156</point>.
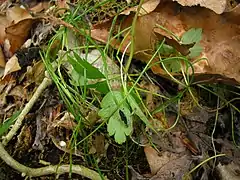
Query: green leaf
<point>172,65</point>
<point>195,51</point>
<point>137,110</point>
<point>193,35</point>
<point>79,80</point>
<point>102,87</point>
<point>5,126</point>
<point>81,65</point>
<point>167,50</point>
<point>112,104</point>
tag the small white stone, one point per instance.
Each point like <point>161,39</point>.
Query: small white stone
<point>62,143</point>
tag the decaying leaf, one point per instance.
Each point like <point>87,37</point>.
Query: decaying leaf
<point>146,8</point>
<point>167,165</point>
<point>218,6</point>
<point>219,39</point>
<point>230,171</point>
<point>2,58</point>
<point>18,33</point>
<point>12,65</point>
<point>15,27</point>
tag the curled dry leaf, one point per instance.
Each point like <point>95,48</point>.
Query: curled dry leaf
<point>17,34</point>
<point>218,6</point>
<point>15,27</point>
<point>12,65</point>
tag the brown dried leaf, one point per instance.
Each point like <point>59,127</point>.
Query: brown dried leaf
<point>166,165</point>
<point>17,34</point>
<point>41,6</point>
<point>12,65</point>
<point>3,24</point>
<point>220,39</point>
<point>2,58</point>
<point>146,8</point>
<point>17,14</point>
<point>218,6</point>
<point>230,171</point>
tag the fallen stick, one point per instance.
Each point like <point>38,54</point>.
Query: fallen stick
<point>45,83</point>
<point>56,169</point>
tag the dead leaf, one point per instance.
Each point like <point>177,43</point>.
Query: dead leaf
<point>3,24</point>
<point>17,14</point>
<point>146,8</point>
<point>12,65</point>
<point>166,165</point>
<point>154,160</point>
<point>67,121</point>
<point>2,58</point>
<point>41,6</point>
<point>230,171</point>
<point>99,143</point>
<point>218,33</point>
<point>19,92</point>
<point>218,6</point>
<point>62,6</point>
<point>174,169</point>
<point>24,140</point>
<point>17,34</point>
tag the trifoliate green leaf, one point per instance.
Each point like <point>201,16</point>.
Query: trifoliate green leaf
<point>167,50</point>
<point>172,65</point>
<point>193,35</point>
<point>116,110</point>
<point>195,51</point>
<point>137,110</point>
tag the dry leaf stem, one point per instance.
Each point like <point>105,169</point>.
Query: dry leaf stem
<point>45,83</point>
<point>57,169</point>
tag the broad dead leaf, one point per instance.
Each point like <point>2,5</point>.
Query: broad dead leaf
<point>146,8</point>
<point>12,65</point>
<point>2,58</point>
<point>230,171</point>
<point>14,29</point>
<point>219,39</point>
<point>17,14</point>
<point>3,24</point>
<point>166,165</point>
<point>218,6</point>
<point>17,34</point>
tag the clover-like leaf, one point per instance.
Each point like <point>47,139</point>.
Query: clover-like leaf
<point>172,65</point>
<point>193,35</point>
<point>116,110</point>
<point>195,51</point>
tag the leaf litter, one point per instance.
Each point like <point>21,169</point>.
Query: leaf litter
<point>179,120</point>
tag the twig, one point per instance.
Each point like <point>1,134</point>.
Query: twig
<point>36,172</point>
<point>45,83</point>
